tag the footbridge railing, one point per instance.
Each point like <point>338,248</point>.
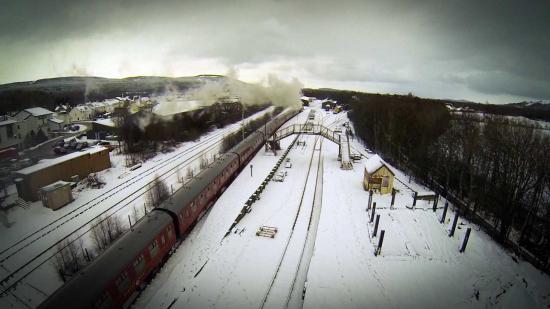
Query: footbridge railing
<point>309,128</point>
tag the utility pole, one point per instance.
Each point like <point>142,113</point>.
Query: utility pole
<point>242,120</point>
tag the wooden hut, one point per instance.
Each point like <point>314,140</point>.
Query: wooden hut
<point>56,195</point>
<point>378,176</point>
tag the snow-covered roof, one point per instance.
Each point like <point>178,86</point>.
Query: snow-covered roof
<point>51,162</point>
<point>6,122</point>
<point>58,121</point>
<point>106,122</point>
<point>425,193</point>
<point>171,106</point>
<point>61,108</point>
<point>374,163</point>
<point>38,111</point>
<point>54,186</point>
<point>96,104</point>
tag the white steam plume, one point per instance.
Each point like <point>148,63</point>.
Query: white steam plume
<point>273,90</point>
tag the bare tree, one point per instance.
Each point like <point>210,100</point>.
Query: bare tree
<point>135,214</point>
<point>190,172</point>
<point>157,193</point>
<point>69,258</point>
<point>106,230</point>
<point>203,163</point>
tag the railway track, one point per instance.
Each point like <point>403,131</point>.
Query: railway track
<point>302,203</point>
<point>212,142</point>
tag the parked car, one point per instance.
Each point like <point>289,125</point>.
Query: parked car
<point>72,144</point>
<point>81,145</point>
<point>59,143</point>
<point>60,150</point>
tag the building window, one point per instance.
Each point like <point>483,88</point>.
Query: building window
<point>385,181</point>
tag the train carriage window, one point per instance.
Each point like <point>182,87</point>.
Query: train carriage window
<point>122,282</point>
<point>153,248</point>
<point>139,264</point>
<point>103,302</point>
<point>170,231</point>
<point>162,241</point>
<point>193,207</point>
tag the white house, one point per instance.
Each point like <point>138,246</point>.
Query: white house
<point>55,124</point>
<point>8,132</point>
<point>62,113</point>
<point>80,112</point>
<point>32,120</point>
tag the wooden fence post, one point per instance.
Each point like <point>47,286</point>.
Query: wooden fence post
<point>444,212</point>
<point>465,241</point>
<point>376,225</point>
<point>380,242</point>
<point>455,221</point>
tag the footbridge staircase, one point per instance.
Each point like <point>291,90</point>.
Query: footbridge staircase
<point>341,139</point>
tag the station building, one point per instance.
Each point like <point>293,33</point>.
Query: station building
<point>30,180</point>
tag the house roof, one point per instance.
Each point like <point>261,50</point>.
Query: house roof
<point>82,108</point>
<point>58,121</point>
<point>54,186</point>
<point>45,163</point>
<point>374,163</point>
<point>106,122</point>
<point>38,111</point>
<point>6,122</point>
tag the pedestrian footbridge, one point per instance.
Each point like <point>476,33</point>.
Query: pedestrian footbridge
<point>309,128</point>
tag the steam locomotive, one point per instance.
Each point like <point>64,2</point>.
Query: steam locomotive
<point>115,278</point>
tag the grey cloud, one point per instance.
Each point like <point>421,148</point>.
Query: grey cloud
<point>471,48</point>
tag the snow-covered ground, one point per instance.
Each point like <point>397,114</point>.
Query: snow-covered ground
<point>324,247</point>
<point>27,232</point>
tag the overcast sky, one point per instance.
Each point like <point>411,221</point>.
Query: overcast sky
<point>496,51</point>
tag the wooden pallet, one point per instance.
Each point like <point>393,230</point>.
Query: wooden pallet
<point>267,231</point>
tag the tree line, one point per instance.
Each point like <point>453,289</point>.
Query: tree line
<point>143,134</point>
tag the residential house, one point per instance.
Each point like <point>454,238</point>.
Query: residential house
<point>80,112</point>
<point>62,113</point>
<point>31,121</point>
<point>8,132</point>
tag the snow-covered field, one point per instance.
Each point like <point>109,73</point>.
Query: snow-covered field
<point>29,232</point>
<point>324,247</point>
